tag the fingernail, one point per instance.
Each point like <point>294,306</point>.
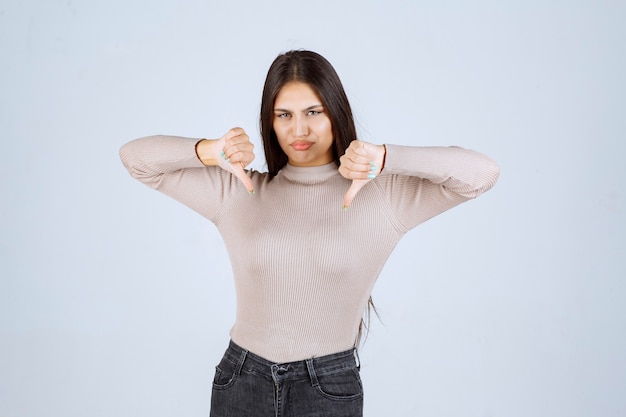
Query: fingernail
<point>345,208</point>
<point>371,176</point>
<point>251,192</point>
<point>373,168</point>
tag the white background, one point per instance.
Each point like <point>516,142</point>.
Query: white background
<point>116,301</point>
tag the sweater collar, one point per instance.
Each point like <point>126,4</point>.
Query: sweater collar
<point>309,174</point>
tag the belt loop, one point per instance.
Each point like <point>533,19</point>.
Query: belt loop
<point>357,359</point>
<point>242,358</point>
<point>312,374</point>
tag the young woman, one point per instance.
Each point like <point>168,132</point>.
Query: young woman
<point>307,239</point>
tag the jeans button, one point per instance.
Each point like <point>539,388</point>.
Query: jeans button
<point>281,371</point>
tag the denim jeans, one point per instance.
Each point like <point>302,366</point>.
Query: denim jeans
<point>246,385</point>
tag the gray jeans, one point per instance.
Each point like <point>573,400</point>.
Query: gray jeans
<point>246,385</point>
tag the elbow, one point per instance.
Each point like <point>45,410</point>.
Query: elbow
<point>130,156</point>
<point>482,181</point>
<point>486,179</point>
<point>491,175</point>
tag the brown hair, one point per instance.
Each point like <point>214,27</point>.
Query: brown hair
<point>313,69</point>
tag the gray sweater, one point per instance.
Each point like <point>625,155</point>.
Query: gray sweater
<point>304,268</point>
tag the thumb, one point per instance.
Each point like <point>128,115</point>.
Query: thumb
<point>352,192</point>
<point>239,172</point>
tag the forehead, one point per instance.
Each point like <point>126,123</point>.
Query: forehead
<point>297,94</point>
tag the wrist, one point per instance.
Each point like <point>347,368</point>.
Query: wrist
<point>384,158</point>
<point>206,151</point>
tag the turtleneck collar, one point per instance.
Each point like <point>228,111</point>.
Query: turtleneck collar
<point>309,174</point>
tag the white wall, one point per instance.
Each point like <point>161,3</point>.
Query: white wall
<point>116,301</point>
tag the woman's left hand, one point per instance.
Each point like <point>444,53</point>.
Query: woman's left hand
<point>361,163</point>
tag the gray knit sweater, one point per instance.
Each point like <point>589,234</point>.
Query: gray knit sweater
<point>304,268</point>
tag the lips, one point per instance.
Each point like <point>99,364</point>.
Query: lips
<point>301,145</point>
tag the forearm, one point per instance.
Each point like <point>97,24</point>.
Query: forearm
<point>463,171</point>
<point>146,159</point>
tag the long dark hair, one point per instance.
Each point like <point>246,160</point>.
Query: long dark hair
<point>313,69</point>
<point>364,325</point>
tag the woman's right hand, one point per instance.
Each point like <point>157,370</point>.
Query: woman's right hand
<point>232,152</point>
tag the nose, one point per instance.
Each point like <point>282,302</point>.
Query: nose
<point>302,127</point>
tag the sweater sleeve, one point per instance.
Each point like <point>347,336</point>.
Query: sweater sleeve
<point>422,182</point>
<point>170,165</point>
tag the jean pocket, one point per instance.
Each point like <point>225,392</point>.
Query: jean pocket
<point>344,385</point>
<point>225,375</point>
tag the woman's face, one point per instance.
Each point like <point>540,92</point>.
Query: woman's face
<point>303,128</point>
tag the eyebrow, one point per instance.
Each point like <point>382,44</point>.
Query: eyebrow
<point>307,109</point>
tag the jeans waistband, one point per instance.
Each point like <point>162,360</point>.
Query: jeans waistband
<point>303,369</point>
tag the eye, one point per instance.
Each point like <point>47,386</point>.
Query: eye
<point>314,112</point>
<point>282,115</point>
